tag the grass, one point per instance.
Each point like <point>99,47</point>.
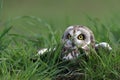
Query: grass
<point>23,36</point>
<point>17,50</point>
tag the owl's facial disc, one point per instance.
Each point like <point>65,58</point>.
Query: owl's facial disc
<point>74,41</point>
<point>76,37</point>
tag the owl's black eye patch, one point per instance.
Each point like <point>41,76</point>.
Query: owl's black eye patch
<point>81,37</point>
<point>68,36</point>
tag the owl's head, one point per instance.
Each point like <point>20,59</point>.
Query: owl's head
<point>78,37</point>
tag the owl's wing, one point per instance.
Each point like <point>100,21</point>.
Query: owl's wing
<point>44,50</point>
<point>104,45</point>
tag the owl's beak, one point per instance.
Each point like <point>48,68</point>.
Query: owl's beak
<point>73,44</point>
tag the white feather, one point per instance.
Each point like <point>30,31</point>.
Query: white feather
<point>42,51</point>
<point>104,45</point>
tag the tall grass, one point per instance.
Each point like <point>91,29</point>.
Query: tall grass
<point>19,45</point>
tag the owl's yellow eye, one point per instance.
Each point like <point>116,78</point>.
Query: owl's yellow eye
<point>68,36</point>
<point>81,37</point>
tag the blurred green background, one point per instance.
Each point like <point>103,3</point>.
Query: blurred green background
<point>58,13</point>
<point>58,9</point>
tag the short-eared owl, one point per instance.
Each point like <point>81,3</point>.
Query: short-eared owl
<point>77,37</point>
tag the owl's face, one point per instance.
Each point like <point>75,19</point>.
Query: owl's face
<point>76,37</point>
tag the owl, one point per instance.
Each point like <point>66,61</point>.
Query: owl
<point>76,38</point>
